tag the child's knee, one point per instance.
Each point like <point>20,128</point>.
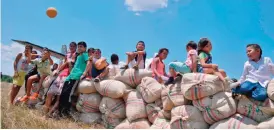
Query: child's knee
<point>246,87</point>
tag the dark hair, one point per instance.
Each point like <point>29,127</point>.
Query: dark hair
<point>113,58</point>
<point>73,43</point>
<point>161,51</point>
<point>82,43</point>
<point>45,49</point>
<point>192,44</point>
<point>141,42</point>
<point>202,43</point>
<point>97,50</point>
<point>30,47</point>
<point>257,47</point>
<point>91,49</point>
<point>34,52</point>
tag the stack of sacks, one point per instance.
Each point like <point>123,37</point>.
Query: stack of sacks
<point>132,77</point>
<point>187,117</point>
<point>270,90</point>
<point>154,112</point>
<point>88,102</point>
<point>216,107</point>
<point>235,122</point>
<point>173,96</point>
<point>256,110</point>
<point>198,85</point>
<point>135,112</point>
<point>113,111</point>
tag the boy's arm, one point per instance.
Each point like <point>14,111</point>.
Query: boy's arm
<point>194,63</point>
<point>16,62</point>
<point>88,68</point>
<point>245,72</point>
<point>50,61</point>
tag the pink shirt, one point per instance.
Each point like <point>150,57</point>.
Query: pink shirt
<point>188,60</point>
<point>69,57</point>
<point>160,67</point>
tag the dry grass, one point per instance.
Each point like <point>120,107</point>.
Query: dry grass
<point>20,117</point>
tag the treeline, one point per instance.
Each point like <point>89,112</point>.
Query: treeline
<point>6,78</point>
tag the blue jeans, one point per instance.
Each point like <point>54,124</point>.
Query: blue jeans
<point>255,90</point>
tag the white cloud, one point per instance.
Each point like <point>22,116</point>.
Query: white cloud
<point>145,5</point>
<point>8,54</point>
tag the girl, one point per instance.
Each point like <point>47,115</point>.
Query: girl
<point>21,67</point>
<point>158,66</point>
<point>205,63</point>
<point>137,58</point>
<point>190,65</point>
<point>257,74</point>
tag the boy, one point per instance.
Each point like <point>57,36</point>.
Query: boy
<point>258,71</point>
<point>137,58</point>
<point>43,67</point>
<point>113,69</point>
<point>20,67</point>
<point>96,72</point>
<point>32,69</point>
<point>79,71</point>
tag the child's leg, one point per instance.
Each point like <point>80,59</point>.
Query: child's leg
<point>139,59</point>
<point>48,103</point>
<point>55,106</point>
<point>14,91</point>
<point>43,77</point>
<point>29,83</point>
<point>212,71</point>
<point>259,93</point>
<point>223,73</point>
<point>245,88</point>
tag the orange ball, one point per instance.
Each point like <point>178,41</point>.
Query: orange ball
<point>51,12</point>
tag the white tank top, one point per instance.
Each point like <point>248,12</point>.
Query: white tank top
<point>22,64</point>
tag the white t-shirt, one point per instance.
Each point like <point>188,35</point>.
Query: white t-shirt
<point>113,70</point>
<point>133,63</point>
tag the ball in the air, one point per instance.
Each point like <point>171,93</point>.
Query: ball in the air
<point>51,12</point>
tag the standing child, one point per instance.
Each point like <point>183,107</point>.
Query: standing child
<point>257,74</point>
<point>205,63</point>
<point>43,67</point>
<point>158,66</point>
<point>20,67</point>
<point>190,65</point>
<point>137,58</point>
<point>80,70</point>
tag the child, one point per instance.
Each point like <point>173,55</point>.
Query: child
<point>57,86</point>
<point>205,63</point>
<point>158,66</point>
<point>113,69</point>
<point>32,69</point>
<point>54,67</point>
<point>190,65</point>
<point>21,67</point>
<point>137,58</point>
<point>90,52</point>
<point>43,67</point>
<point>79,71</point>
<point>97,73</point>
<point>257,74</point>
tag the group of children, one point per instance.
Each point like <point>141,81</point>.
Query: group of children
<point>90,65</point>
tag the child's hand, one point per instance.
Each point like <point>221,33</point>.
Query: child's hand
<point>15,74</point>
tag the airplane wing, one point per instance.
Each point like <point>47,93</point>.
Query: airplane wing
<point>39,48</point>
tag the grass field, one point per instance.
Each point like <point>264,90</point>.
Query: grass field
<point>20,117</point>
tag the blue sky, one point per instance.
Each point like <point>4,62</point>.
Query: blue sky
<point>115,26</point>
